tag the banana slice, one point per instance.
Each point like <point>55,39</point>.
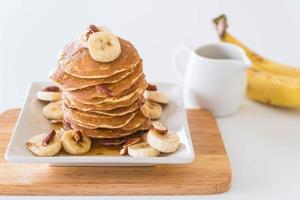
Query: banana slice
<point>166,143</point>
<point>38,147</point>
<point>156,96</point>
<point>84,36</point>
<point>154,109</point>
<point>142,150</point>
<point>104,47</point>
<point>48,96</point>
<point>73,145</point>
<point>50,93</point>
<point>53,110</point>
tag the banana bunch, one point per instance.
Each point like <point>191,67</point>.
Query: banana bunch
<point>268,81</point>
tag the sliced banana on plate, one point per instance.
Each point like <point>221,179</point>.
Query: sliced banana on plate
<point>44,144</point>
<point>104,46</point>
<point>142,150</point>
<point>51,93</point>
<point>53,110</point>
<point>75,142</point>
<point>154,109</point>
<point>163,140</point>
<point>157,96</point>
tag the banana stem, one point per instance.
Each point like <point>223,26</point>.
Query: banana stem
<point>221,25</point>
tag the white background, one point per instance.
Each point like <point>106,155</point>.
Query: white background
<point>33,32</point>
<point>262,142</point>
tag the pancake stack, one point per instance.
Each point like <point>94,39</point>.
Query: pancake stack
<point>102,100</point>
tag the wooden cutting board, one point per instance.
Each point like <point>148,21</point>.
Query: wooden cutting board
<point>210,173</point>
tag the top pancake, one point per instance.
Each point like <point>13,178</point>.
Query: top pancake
<point>76,60</point>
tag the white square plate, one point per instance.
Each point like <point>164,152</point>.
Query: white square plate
<point>31,122</point>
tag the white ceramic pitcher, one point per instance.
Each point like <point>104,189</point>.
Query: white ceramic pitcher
<point>214,76</point>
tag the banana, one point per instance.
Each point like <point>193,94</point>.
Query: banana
<point>104,46</point>
<point>142,150</point>
<point>156,96</point>
<point>38,146</point>
<point>154,109</point>
<point>163,142</point>
<point>50,93</point>
<point>130,142</point>
<point>53,110</point>
<point>75,144</point>
<point>258,61</point>
<point>268,81</point>
<point>84,36</point>
<point>48,96</point>
<point>273,89</point>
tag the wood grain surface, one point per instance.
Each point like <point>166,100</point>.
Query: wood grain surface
<point>210,173</point>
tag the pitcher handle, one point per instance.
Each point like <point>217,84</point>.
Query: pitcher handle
<point>180,60</point>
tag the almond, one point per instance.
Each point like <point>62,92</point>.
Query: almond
<point>159,127</point>
<point>133,141</point>
<point>51,89</point>
<point>141,101</point>
<point>123,151</point>
<point>77,135</point>
<point>130,142</point>
<point>151,87</point>
<point>92,29</point>
<point>48,138</point>
<point>67,126</point>
<point>104,89</point>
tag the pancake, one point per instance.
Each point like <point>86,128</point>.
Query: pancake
<point>98,120</point>
<point>134,122</point>
<point>69,82</point>
<point>76,60</point>
<point>73,103</point>
<point>136,91</point>
<point>110,133</point>
<point>114,112</point>
<point>100,142</point>
<point>115,89</point>
<point>103,100</point>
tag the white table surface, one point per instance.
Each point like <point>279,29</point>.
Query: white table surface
<point>263,143</point>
